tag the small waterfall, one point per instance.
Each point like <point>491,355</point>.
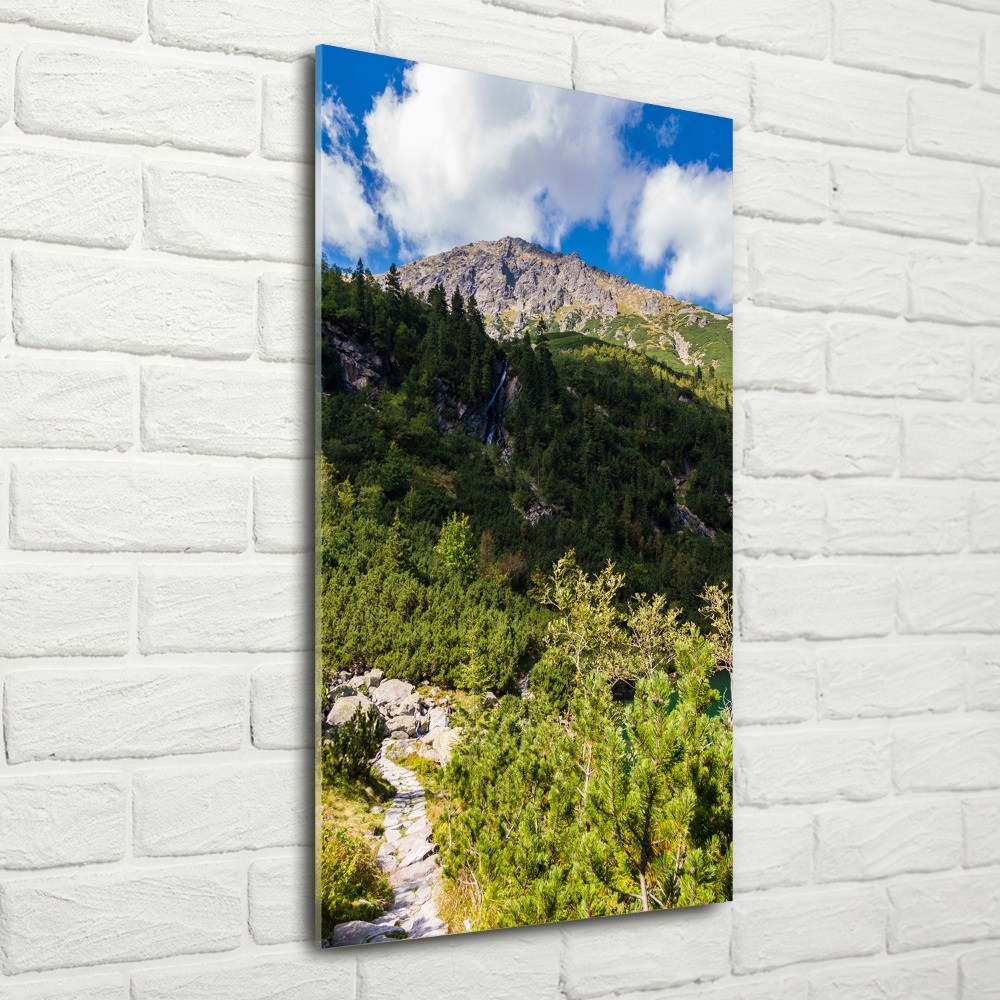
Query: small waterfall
<point>491,420</point>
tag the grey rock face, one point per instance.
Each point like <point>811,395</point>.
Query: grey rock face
<point>524,280</point>
<point>344,708</point>
<point>393,692</point>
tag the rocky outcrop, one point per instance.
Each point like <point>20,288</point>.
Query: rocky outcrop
<point>400,706</point>
<point>361,366</point>
<point>345,707</point>
<point>514,281</point>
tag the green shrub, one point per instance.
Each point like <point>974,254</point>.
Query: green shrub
<point>347,754</point>
<point>352,886</point>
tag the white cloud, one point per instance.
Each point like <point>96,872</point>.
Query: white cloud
<point>347,221</point>
<point>684,221</point>
<point>459,157</point>
<point>464,157</point>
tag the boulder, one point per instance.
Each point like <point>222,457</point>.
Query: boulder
<point>375,677</point>
<point>438,719</point>
<point>430,753</point>
<point>341,691</point>
<point>356,681</point>
<point>410,703</point>
<point>490,700</point>
<point>354,932</point>
<point>392,692</point>
<point>401,723</point>
<point>343,709</point>
<point>444,740</point>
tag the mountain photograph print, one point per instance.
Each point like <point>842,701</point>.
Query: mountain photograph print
<point>524,503</point>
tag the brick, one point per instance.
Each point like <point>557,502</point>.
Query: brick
<point>6,84</point>
<point>211,810</point>
<point>909,196</point>
<point>780,178</point>
<point>885,681</point>
<point>989,5</point>
<point>646,15</point>
<point>817,601</point>
<point>123,916</point>
<point>835,923</point>
<point>55,404</point>
<point>953,286</point>
<point>106,987</point>
<point>663,71</point>
<point>849,107</point>
<point>797,437</point>
<point>773,685</point>
<point>946,757</point>
<point>812,766</point>
<point>953,597</point>
<point>72,715</point>
<point>227,213</point>
<point>775,26</point>
<point>485,38</point>
<point>281,706</point>
<point>778,516</point>
<point>109,96</point>
<point>62,819</point>
<point>281,901</point>
<point>128,507</point>
<point>286,321</point>
<point>982,677</point>
<point>991,57</point>
<point>227,411</point>
<point>804,267</point>
<point>287,117</point>
<point>944,910</point>
<point>741,260</point>
<point>984,521</point>
<point>97,304</point>
<point>772,849</point>
<point>778,350</point>
<point>87,200</point>
<point>986,368</point>
<point>951,444</point>
<point>926,979</point>
<point>259,27</point>
<point>989,218</point>
<point>911,37</point>
<point>50,610</point>
<point>230,608</point>
<point>894,518</point>
<point>124,19</point>
<point>980,820</point>
<point>661,953</point>
<point>306,979</point>
<point>954,124</point>
<point>873,357</point>
<point>876,841</point>
<point>741,988</point>
<point>282,509</point>
<point>980,974</point>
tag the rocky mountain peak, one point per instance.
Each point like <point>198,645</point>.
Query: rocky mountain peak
<point>514,281</point>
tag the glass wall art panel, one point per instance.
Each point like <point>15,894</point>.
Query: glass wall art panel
<point>524,503</point>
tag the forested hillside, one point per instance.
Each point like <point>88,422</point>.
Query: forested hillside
<point>545,517</point>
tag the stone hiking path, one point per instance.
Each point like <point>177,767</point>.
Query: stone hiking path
<point>407,856</point>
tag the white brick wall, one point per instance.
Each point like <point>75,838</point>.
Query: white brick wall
<point>155,565</point>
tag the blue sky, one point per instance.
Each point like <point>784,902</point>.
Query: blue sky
<point>414,159</point>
